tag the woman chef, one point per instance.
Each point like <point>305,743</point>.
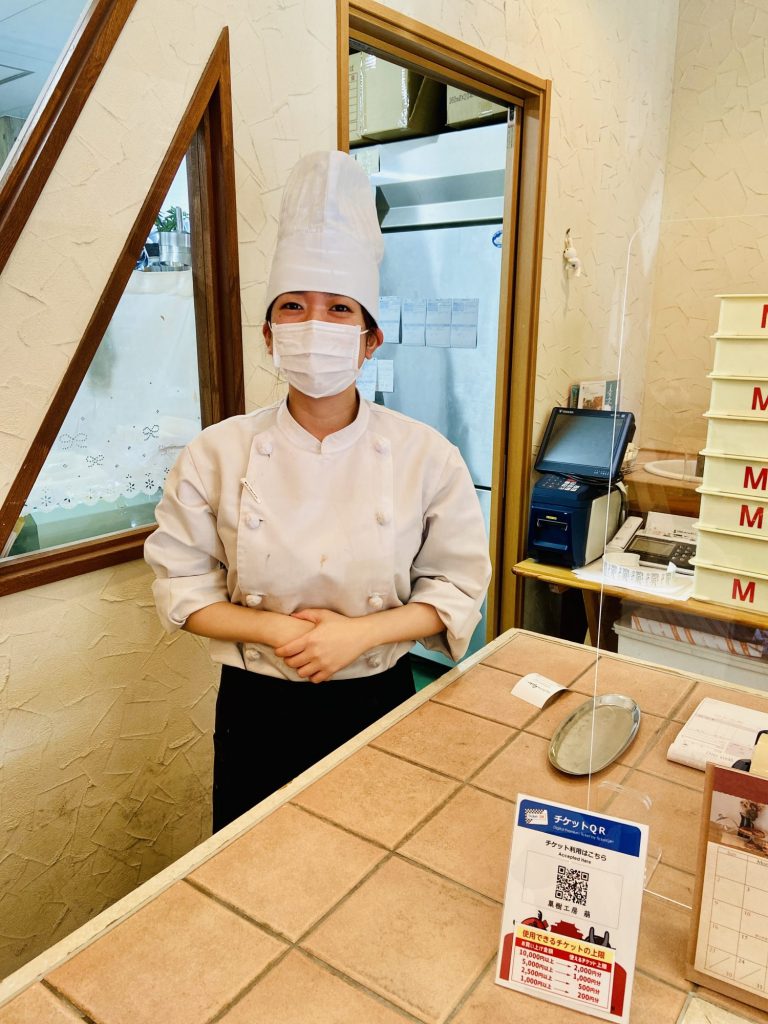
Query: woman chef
<point>315,540</point>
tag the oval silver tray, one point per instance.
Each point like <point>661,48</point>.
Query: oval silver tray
<point>616,721</point>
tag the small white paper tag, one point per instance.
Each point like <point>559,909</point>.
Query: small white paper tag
<point>536,689</point>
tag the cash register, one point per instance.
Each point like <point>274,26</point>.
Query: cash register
<point>577,505</point>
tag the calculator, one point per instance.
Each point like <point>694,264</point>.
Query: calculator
<point>658,552</point>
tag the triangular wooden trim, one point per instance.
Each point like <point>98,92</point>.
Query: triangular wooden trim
<point>55,114</point>
<point>206,130</point>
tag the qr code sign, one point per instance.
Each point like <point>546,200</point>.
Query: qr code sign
<point>572,885</point>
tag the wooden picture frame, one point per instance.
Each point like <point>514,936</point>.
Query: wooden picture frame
<point>205,133</point>
<point>732,870</point>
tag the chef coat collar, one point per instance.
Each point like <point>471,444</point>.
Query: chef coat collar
<point>336,442</point>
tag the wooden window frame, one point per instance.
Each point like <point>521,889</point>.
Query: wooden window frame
<point>48,126</point>
<point>413,44</point>
<point>205,134</point>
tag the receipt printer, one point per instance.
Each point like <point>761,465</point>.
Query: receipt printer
<point>568,520</point>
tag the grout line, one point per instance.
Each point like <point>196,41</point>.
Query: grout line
<point>471,989</point>
<point>448,878</point>
<point>237,911</point>
<point>82,1015</point>
<point>354,983</point>
<point>246,989</point>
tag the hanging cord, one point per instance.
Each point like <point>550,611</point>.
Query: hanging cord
<point>607,518</point>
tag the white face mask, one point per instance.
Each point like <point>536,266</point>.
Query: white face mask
<point>317,358</point>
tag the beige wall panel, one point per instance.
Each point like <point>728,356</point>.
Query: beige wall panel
<point>107,722</point>
<point>714,236</point>
<point>611,66</point>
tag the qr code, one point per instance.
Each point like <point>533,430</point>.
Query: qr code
<point>572,885</point>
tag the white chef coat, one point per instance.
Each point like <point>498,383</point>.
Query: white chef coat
<point>257,511</point>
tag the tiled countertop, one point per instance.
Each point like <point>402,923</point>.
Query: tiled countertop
<point>369,890</point>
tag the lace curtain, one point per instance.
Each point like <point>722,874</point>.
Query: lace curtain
<point>138,405</point>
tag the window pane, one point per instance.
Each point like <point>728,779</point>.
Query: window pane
<point>32,38</point>
<point>138,405</point>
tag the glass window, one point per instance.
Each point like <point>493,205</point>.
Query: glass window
<point>33,37</point>
<point>137,406</point>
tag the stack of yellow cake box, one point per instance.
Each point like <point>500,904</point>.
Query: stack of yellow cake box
<point>732,550</point>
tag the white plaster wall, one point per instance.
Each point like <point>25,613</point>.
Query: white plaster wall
<point>611,65</point>
<point>714,235</point>
<point>88,674</point>
<point>107,722</point>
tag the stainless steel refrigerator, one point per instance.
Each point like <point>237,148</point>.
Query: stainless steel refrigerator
<point>440,203</point>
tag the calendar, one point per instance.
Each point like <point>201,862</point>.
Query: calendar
<point>729,941</point>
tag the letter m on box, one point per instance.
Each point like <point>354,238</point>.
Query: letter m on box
<point>755,481</point>
<point>741,593</point>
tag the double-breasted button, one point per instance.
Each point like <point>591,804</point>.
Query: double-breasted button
<point>376,601</point>
<point>252,521</point>
<point>382,518</point>
<point>264,447</point>
<point>374,660</point>
<point>252,654</point>
<point>381,445</point>
<point>253,600</point>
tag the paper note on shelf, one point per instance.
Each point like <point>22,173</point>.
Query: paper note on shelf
<point>464,317</point>
<point>385,376</point>
<point>438,327</point>
<point>675,586</point>
<point>414,316</point>
<point>718,732</point>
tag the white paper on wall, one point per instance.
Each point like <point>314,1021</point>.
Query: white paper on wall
<point>389,318</point>
<point>366,381</point>
<point>438,323</point>
<point>414,321</point>
<point>464,316</point>
<point>385,377</point>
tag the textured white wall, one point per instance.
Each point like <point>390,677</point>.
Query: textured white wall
<point>611,65</point>
<point>107,722</point>
<point>715,221</point>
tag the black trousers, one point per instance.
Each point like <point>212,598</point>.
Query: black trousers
<point>270,730</point>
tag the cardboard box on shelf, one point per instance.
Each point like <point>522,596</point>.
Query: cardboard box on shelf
<point>392,102</point>
<point>465,107</point>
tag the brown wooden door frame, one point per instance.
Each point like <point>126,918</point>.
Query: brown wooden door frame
<point>421,47</point>
<point>205,134</point>
<point>54,115</point>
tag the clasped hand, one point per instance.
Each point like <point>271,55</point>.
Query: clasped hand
<point>335,642</point>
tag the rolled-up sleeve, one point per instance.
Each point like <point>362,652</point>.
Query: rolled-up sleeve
<point>452,569</point>
<point>185,551</point>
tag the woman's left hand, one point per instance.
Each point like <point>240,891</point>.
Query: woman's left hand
<point>335,642</point>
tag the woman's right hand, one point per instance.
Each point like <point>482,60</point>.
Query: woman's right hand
<point>226,621</point>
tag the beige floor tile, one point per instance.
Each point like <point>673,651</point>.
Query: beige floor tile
<point>418,940</point>
<point>661,948</point>
<point>299,991</point>
<point>377,795</point>
<point>38,1006</point>
<point>744,699</point>
<point>442,738</point>
<point>487,692</point>
<point>674,818</point>
<point>652,1003</point>
<point>468,840</point>
<point>178,960</point>
<point>672,883</point>
<point>655,760</point>
<point>655,691</point>
<point>523,767</point>
<point>559,661</point>
<point>288,870</point>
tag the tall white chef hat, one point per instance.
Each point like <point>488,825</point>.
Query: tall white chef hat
<point>328,239</point>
